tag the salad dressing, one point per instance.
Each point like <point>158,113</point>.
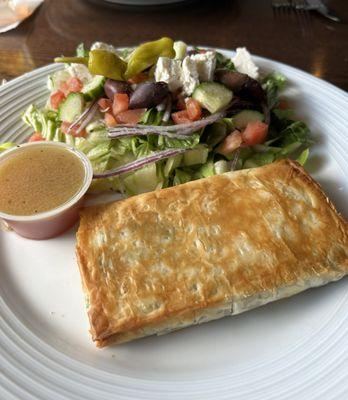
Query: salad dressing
<point>39,179</point>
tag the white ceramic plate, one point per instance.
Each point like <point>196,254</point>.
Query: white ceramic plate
<point>292,349</point>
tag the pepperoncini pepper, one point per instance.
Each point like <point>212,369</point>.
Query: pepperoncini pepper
<point>147,54</point>
<point>75,60</point>
<point>100,62</point>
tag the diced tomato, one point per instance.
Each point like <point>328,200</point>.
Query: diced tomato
<point>181,117</point>
<point>74,84</point>
<point>110,120</point>
<point>64,87</point>
<point>36,137</point>
<point>105,105</point>
<point>181,104</point>
<point>130,116</point>
<point>56,98</point>
<point>194,109</point>
<point>202,51</point>
<point>121,103</point>
<point>254,133</point>
<point>232,142</point>
<point>141,77</point>
<point>64,127</point>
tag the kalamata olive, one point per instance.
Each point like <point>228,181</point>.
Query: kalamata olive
<point>233,80</point>
<point>111,87</point>
<point>238,104</point>
<point>252,90</point>
<point>246,87</point>
<point>148,94</point>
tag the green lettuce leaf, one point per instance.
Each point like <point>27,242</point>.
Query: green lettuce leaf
<point>205,170</point>
<point>273,84</point>
<point>6,146</point>
<point>81,51</point>
<point>302,158</point>
<point>152,117</point>
<point>224,62</point>
<point>181,176</point>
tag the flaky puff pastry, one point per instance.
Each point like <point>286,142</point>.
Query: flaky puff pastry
<point>209,248</point>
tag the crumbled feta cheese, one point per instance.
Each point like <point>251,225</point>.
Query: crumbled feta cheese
<point>205,65</point>
<point>244,63</point>
<point>169,71</point>
<point>104,46</point>
<point>80,71</point>
<point>189,75</point>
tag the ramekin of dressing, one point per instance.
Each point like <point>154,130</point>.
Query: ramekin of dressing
<point>42,188</point>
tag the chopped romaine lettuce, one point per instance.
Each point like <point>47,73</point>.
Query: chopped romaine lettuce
<point>181,176</point>
<point>142,180</point>
<point>283,114</point>
<point>152,117</point>
<point>6,146</point>
<point>171,164</point>
<point>224,62</point>
<point>296,131</point>
<point>273,84</point>
<point>81,51</point>
<point>205,170</point>
<point>43,121</point>
<point>302,158</point>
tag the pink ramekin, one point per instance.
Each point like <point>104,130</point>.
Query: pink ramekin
<point>53,222</point>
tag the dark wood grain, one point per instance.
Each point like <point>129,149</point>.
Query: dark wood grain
<point>320,47</point>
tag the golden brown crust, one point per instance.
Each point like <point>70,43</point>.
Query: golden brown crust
<point>235,241</point>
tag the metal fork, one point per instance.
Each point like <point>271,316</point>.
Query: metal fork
<point>321,8</point>
<point>283,8</point>
<point>302,14</point>
<point>306,5</point>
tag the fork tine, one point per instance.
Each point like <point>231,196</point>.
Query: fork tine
<point>281,8</point>
<point>298,8</point>
<point>303,16</point>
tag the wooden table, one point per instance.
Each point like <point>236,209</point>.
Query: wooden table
<point>320,47</point>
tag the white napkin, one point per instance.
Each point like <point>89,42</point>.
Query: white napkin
<point>13,12</point>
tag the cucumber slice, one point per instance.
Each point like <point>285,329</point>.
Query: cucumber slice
<point>242,119</point>
<point>72,107</point>
<point>212,96</point>
<point>198,155</point>
<point>94,88</point>
<point>141,181</point>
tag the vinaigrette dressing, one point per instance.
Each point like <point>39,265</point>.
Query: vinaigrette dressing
<point>39,179</point>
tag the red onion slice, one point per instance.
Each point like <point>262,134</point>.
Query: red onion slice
<point>181,129</point>
<point>85,118</point>
<point>235,159</point>
<point>140,162</point>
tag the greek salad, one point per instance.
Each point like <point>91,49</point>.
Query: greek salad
<point>162,114</point>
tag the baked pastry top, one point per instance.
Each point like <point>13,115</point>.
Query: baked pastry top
<point>218,246</point>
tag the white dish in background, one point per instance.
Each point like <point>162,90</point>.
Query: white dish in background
<point>143,2</point>
<point>292,349</point>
